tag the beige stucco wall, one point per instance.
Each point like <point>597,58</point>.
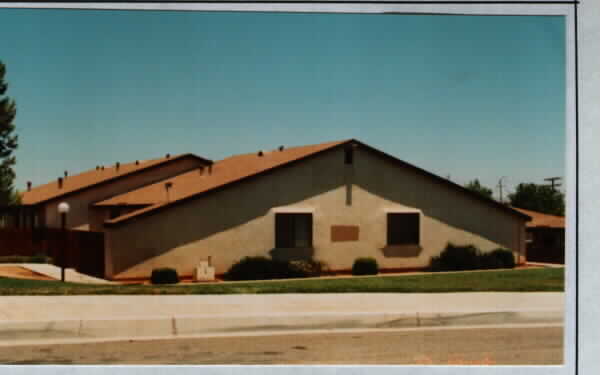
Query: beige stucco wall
<point>80,211</point>
<point>239,221</point>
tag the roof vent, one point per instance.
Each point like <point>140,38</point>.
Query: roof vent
<point>260,153</point>
<point>28,185</point>
<point>60,182</point>
<point>168,156</point>
<point>118,165</point>
<point>280,148</point>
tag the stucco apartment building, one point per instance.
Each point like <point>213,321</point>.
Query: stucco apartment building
<point>332,202</point>
<point>545,237</point>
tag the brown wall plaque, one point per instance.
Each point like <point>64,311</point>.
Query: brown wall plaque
<point>341,233</point>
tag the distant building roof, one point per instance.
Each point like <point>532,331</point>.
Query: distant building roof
<point>539,219</point>
<point>101,174</point>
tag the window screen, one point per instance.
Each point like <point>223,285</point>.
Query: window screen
<point>403,229</point>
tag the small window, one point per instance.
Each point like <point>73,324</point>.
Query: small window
<point>403,229</point>
<point>293,230</point>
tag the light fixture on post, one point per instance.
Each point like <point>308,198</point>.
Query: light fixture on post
<point>63,210</point>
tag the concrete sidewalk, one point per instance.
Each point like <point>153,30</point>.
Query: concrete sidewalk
<point>55,318</point>
<point>53,272</point>
<point>71,274</point>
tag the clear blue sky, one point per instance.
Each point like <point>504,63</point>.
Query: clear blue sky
<point>465,96</point>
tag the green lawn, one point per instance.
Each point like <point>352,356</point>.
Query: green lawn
<point>523,280</point>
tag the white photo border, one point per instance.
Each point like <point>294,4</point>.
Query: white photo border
<point>581,179</point>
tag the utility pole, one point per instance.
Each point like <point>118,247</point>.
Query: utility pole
<point>500,188</point>
<point>553,184</point>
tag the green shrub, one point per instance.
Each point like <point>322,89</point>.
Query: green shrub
<point>13,259</point>
<point>38,258</point>
<point>505,257</point>
<point>258,268</point>
<point>263,268</point>
<point>164,276</point>
<point>365,266</point>
<point>469,257</point>
<point>308,267</point>
<point>489,261</point>
<point>456,258</point>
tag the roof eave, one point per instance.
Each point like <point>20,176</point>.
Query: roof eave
<point>112,179</point>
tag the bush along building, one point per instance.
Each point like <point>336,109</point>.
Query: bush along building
<point>332,202</point>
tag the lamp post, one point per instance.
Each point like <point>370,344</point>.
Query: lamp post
<point>63,210</point>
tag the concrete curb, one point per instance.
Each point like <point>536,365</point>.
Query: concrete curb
<point>12,332</point>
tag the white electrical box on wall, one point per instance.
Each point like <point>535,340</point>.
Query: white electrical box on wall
<point>204,272</point>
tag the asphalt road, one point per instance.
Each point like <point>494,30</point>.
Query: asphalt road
<point>471,346</point>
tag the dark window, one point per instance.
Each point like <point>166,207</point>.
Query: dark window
<point>403,229</point>
<point>348,155</point>
<point>293,230</point>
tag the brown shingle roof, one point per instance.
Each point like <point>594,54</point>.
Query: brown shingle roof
<point>238,168</point>
<point>539,219</point>
<point>91,178</point>
<point>223,172</point>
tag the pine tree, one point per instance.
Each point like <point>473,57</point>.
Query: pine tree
<point>8,143</point>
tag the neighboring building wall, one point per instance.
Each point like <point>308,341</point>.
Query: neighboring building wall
<point>239,220</point>
<point>547,245</point>
<point>80,210</point>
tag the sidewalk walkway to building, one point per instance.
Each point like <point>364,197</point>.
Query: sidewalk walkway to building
<point>43,271</point>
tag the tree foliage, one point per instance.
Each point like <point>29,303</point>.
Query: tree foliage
<point>476,187</point>
<point>541,198</point>
<point>8,143</point>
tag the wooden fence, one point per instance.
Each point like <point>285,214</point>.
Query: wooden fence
<point>84,250</point>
